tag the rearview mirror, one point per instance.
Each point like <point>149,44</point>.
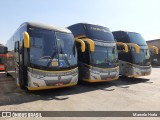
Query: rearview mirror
<point>82,44</point>
<point>26,40</point>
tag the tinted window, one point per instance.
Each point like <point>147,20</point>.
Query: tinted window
<point>121,37</point>
<point>51,49</point>
<point>67,50</point>
<point>105,57</point>
<point>43,47</point>
<point>142,58</point>
<point>136,38</point>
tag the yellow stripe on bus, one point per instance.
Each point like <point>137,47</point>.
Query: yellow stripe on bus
<point>53,70</point>
<point>92,81</point>
<point>139,75</point>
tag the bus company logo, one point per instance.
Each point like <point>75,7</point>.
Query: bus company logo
<point>6,114</point>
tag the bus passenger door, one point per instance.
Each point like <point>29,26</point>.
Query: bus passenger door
<point>17,62</point>
<point>19,65</point>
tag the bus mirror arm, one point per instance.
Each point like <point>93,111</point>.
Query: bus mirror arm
<point>154,47</point>
<point>82,44</point>
<point>91,43</point>
<point>26,40</point>
<point>135,46</point>
<point>123,44</point>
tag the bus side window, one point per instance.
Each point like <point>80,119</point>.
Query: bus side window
<point>16,48</point>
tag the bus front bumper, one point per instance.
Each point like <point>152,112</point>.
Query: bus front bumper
<point>51,87</point>
<point>107,80</point>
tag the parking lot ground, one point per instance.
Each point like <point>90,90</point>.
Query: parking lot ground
<point>125,94</point>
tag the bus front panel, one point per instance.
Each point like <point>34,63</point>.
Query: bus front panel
<point>94,74</point>
<point>133,70</point>
<point>100,65</point>
<point>40,79</point>
<point>53,60</point>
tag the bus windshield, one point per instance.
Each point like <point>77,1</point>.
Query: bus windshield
<point>52,49</point>
<point>142,58</point>
<point>99,33</point>
<point>136,38</point>
<point>104,57</point>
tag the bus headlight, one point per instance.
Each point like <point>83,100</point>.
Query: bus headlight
<point>36,84</point>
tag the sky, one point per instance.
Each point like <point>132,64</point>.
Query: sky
<point>142,16</point>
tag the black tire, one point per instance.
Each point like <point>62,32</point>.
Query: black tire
<point>123,77</point>
<point>7,74</point>
<point>23,87</point>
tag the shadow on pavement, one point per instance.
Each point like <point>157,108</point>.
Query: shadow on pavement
<point>12,94</point>
<point>155,66</point>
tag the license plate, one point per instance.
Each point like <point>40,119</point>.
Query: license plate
<point>59,84</point>
<point>109,79</point>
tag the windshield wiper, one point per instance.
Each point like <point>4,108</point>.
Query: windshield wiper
<point>65,58</point>
<point>53,54</point>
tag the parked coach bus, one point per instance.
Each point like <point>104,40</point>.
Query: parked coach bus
<point>3,55</point>
<point>135,62</point>
<point>45,57</point>
<point>154,47</point>
<point>99,61</point>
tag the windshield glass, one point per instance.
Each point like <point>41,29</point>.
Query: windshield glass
<point>105,57</point>
<point>99,32</point>
<point>67,52</point>
<point>52,50</point>
<point>136,38</point>
<point>142,58</point>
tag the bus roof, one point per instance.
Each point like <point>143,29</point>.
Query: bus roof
<point>124,31</point>
<point>46,26</point>
<point>79,29</point>
<point>133,37</point>
<point>86,24</point>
